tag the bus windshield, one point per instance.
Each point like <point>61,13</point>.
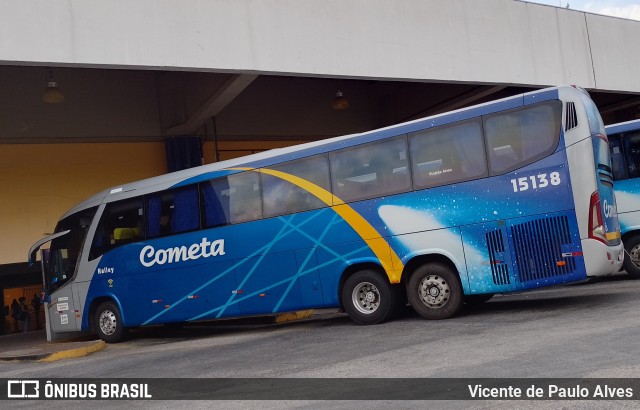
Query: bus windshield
<point>60,264</point>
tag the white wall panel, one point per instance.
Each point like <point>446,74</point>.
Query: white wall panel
<point>488,41</point>
<point>615,45</point>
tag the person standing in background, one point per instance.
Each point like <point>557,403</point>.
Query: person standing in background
<point>35,302</point>
<point>15,313</point>
<point>6,311</point>
<point>23,315</point>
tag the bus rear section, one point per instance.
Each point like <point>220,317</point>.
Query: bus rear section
<point>592,182</point>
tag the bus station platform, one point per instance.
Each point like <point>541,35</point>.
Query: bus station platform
<point>33,346</point>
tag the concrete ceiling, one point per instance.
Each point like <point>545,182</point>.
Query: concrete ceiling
<point>148,105</point>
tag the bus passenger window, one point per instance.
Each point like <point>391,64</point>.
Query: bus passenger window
<point>173,211</point>
<point>370,170</point>
<point>519,137</point>
<point>232,199</point>
<point>448,154</point>
<point>215,205</point>
<point>244,197</point>
<point>632,154</point>
<point>186,211</point>
<point>121,223</point>
<point>280,196</point>
<point>618,163</point>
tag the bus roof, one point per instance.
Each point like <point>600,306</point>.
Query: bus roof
<point>623,127</point>
<point>279,155</point>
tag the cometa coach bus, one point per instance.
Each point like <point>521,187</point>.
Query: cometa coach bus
<point>505,196</point>
<point>624,144</point>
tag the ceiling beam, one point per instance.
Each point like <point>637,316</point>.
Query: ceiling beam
<point>460,101</point>
<point>620,105</point>
<point>223,96</point>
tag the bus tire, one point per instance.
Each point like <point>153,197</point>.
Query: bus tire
<point>368,298</point>
<point>434,291</point>
<point>631,262</point>
<point>108,323</point>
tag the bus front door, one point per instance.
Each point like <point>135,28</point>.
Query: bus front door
<point>60,300</point>
<point>61,311</point>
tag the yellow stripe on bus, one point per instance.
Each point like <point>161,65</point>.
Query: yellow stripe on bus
<point>613,235</point>
<point>383,251</point>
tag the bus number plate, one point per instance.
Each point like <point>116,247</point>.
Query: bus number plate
<point>535,181</point>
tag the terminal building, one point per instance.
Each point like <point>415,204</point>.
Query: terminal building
<point>96,94</point>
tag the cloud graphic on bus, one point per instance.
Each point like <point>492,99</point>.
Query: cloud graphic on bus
<point>429,235</point>
<point>627,201</point>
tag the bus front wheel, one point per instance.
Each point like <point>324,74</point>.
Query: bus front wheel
<point>632,258</point>
<point>368,298</point>
<point>108,323</point>
<point>434,291</point>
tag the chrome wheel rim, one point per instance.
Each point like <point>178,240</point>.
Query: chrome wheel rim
<point>634,255</point>
<point>366,298</point>
<point>434,291</point>
<point>107,322</point>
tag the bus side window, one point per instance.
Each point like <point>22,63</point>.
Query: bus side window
<point>519,137</point>
<point>185,215</point>
<point>370,170</point>
<point>618,163</point>
<point>632,151</point>
<point>159,207</point>
<point>121,223</point>
<point>449,154</point>
<point>280,196</point>
<point>245,198</point>
<point>215,205</point>
<point>504,142</point>
<point>232,199</point>
<point>173,211</point>
<point>154,212</point>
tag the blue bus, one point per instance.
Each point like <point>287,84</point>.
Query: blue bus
<point>506,196</point>
<point>624,146</point>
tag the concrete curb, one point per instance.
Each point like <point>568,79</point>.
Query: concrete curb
<point>55,356</point>
<point>74,353</point>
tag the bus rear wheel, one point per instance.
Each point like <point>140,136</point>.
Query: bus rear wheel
<point>632,258</point>
<point>434,291</point>
<point>368,298</point>
<point>108,323</point>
